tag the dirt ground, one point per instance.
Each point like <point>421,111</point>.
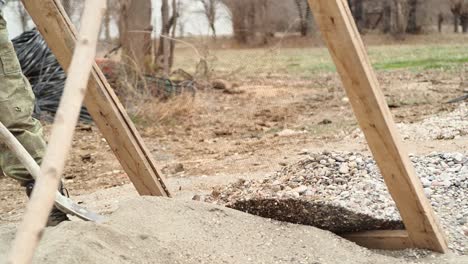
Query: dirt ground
<point>255,131</point>
<point>250,133</point>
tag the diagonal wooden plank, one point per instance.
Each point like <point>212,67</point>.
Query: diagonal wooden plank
<point>347,50</point>
<point>102,103</point>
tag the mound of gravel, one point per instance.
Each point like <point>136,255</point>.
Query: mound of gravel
<point>439,127</point>
<point>344,192</point>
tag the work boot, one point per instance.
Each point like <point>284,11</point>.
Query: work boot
<point>56,216</point>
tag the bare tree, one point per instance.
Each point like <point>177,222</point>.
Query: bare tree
<point>396,17</point>
<point>173,24</point>
<point>210,8</point>
<point>459,10</point>
<point>163,50</point>
<point>414,25</point>
<point>357,9</point>
<point>250,18</point>
<point>237,9</point>
<point>135,33</point>
<point>305,15</point>
<point>264,20</point>
<point>165,53</point>
<point>107,21</point>
<point>440,22</point>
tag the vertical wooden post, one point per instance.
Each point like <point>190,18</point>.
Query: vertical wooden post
<point>102,103</point>
<point>43,196</point>
<point>347,50</point>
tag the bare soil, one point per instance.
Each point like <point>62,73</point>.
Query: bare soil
<point>256,131</point>
<point>227,136</point>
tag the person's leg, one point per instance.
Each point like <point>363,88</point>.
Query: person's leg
<point>16,108</point>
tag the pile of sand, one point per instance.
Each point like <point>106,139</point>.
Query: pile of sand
<point>157,230</point>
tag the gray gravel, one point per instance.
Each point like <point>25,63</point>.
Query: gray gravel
<point>444,126</point>
<point>440,127</point>
<point>346,182</point>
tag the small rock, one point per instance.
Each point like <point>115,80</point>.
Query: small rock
<point>289,132</point>
<point>198,198</point>
<point>345,194</point>
<point>301,189</point>
<point>340,159</point>
<point>325,122</point>
<point>465,231</point>
<point>447,183</point>
<point>276,182</point>
<point>425,182</point>
<point>304,152</point>
<point>428,192</point>
<point>458,157</point>
<point>344,169</point>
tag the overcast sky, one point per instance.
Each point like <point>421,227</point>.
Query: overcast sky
<point>195,22</point>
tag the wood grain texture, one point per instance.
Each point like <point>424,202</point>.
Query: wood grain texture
<point>347,50</point>
<point>102,103</point>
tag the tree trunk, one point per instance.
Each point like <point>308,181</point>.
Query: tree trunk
<point>387,17</point>
<point>359,14</point>
<point>456,23</point>
<point>238,24</point>
<point>400,27</point>
<point>135,33</point>
<point>173,25</point>
<point>107,22</point>
<point>213,29</point>
<point>211,12</point>
<point>305,14</point>
<point>464,23</point>
<point>239,11</point>
<point>164,43</point>
<point>440,22</point>
<point>413,23</point>
<point>250,24</point>
<point>262,27</point>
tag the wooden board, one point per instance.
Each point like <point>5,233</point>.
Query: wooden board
<point>102,103</point>
<point>347,50</point>
<point>382,239</point>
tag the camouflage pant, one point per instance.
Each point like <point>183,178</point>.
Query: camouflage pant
<point>16,108</point>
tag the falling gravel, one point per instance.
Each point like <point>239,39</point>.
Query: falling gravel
<point>345,192</point>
